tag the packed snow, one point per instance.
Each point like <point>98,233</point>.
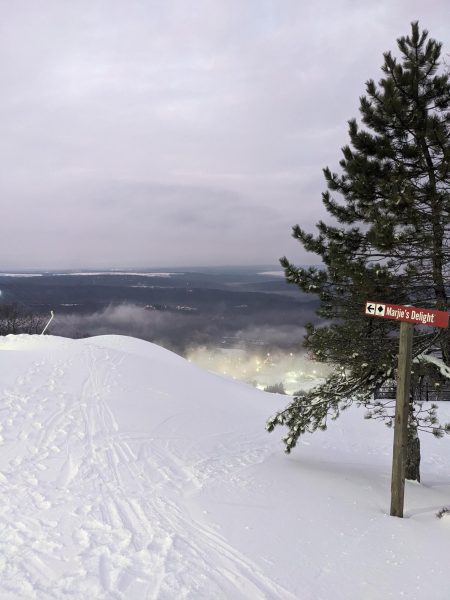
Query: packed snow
<point>128,473</point>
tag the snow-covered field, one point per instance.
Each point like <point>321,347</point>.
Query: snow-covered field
<point>128,473</point>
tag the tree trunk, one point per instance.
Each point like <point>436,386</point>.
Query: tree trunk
<point>412,463</point>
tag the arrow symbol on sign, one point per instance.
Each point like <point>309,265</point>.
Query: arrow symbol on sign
<point>370,308</point>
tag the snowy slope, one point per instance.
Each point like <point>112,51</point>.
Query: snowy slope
<point>128,473</point>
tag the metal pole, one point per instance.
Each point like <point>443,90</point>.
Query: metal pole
<point>401,419</point>
<point>50,320</point>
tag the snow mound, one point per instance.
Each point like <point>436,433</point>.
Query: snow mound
<point>128,473</point>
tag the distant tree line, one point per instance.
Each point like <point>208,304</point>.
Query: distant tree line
<point>15,319</point>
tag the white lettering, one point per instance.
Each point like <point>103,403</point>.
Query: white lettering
<point>422,317</point>
<point>397,313</point>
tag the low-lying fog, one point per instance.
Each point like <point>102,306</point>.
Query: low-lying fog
<point>295,372</point>
<point>260,355</point>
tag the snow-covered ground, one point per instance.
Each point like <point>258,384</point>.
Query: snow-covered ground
<point>128,473</point>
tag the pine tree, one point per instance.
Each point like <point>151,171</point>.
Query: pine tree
<point>388,239</point>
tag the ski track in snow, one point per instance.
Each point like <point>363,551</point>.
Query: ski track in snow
<point>75,530</point>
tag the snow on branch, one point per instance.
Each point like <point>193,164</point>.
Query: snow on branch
<point>439,363</point>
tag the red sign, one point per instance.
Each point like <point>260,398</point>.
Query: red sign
<point>410,314</point>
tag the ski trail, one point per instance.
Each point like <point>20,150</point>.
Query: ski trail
<point>122,511</point>
<point>148,512</point>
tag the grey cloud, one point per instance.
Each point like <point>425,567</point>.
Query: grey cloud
<point>206,125</point>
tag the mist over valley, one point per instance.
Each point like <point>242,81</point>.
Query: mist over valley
<point>244,322</point>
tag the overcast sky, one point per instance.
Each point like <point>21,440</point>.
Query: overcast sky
<point>176,132</point>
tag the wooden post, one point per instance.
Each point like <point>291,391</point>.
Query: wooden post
<point>401,419</point>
